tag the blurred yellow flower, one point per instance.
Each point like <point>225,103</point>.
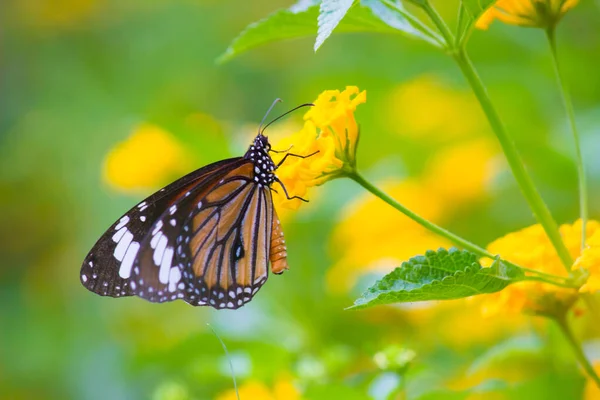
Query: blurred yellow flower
<point>427,108</point>
<point>330,129</point>
<point>461,174</point>
<point>533,13</point>
<point>283,389</point>
<point>376,237</point>
<point>592,391</point>
<point>590,261</point>
<point>531,248</point>
<point>56,13</point>
<point>147,159</point>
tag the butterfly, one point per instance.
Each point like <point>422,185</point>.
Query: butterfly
<point>207,238</point>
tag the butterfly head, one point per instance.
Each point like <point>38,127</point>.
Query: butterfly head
<point>264,167</point>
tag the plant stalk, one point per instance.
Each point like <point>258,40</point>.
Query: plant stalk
<point>566,99</point>
<point>577,350</point>
<point>535,201</point>
<point>457,240</point>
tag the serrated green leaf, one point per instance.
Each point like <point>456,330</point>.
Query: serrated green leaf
<point>469,13</point>
<point>439,275</point>
<point>331,13</point>
<point>399,18</point>
<point>300,20</point>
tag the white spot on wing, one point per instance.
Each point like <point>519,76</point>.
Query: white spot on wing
<point>174,278</point>
<point>119,234</point>
<point>160,249</point>
<point>158,227</point>
<point>172,209</point>
<point>122,222</point>
<point>165,265</point>
<point>122,246</point>
<point>125,269</point>
<point>154,240</point>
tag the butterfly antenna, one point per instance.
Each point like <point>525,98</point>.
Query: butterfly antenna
<point>260,130</point>
<point>225,348</point>
<point>284,114</point>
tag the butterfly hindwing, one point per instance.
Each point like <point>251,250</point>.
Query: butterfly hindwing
<point>211,247</point>
<point>108,266</point>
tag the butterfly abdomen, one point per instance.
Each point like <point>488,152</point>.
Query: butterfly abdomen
<point>278,254</point>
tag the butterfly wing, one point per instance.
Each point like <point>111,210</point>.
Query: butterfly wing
<point>211,248</point>
<point>229,245</point>
<point>107,268</point>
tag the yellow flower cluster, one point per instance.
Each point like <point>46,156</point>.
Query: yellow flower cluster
<point>531,248</point>
<point>590,261</point>
<point>330,132</point>
<point>533,13</point>
<point>283,389</point>
<point>148,158</point>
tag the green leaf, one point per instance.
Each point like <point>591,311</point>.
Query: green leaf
<point>331,13</point>
<point>469,13</point>
<point>400,19</point>
<point>300,20</point>
<point>439,275</point>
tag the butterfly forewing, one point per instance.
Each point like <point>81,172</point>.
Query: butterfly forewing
<point>108,267</point>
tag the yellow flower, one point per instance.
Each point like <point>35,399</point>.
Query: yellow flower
<point>56,14</point>
<point>531,248</point>
<point>592,391</point>
<point>147,159</point>
<point>330,133</point>
<point>376,237</point>
<point>460,174</point>
<point>533,13</point>
<point>283,389</point>
<point>590,261</point>
<point>426,108</point>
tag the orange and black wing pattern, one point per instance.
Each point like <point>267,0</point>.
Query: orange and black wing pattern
<point>207,238</point>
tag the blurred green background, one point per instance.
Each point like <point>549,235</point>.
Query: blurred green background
<point>77,77</point>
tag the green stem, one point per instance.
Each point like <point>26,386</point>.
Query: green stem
<point>566,98</point>
<point>576,347</point>
<point>440,24</point>
<point>358,178</point>
<point>524,181</point>
<point>594,308</point>
<point>546,280</point>
<point>539,273</point>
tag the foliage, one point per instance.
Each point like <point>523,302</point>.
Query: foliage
<point>439,275</point>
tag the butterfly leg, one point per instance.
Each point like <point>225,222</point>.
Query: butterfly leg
<point>286,193</point>
<point>282,151</point>
<point>294,155</point>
